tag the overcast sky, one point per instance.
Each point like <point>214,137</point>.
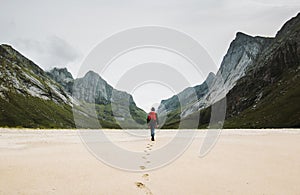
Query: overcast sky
<point>59,33</point>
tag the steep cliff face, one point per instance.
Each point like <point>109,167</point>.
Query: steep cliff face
<point>119,106</point>
<point>92,89</point>
<point>242,54</point>
<point>28,97</point>
<point>268,95</point>
<point>170,110</point>
<point>22,76</point>
<point>186,97</point>
<point>260,78</point>
<point>63,77</point>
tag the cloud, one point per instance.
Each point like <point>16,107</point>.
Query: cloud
<point>48,53</point>
<point>278,2</point>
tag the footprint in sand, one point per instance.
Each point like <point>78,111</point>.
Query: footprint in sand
<point>140,184</point>
<point>144,187</point>
<point>142,167</point>
<point>146,176</point>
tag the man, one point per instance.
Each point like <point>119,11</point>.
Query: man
<point>152,121</point>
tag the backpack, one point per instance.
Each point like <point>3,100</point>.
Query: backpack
<point>151,117</point>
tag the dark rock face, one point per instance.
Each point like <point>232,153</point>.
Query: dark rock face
<point>242,54</point>
<point>92,89</point>
<point>30,97</point>
<point>22,76</point>
<point>278,66</point>
<point>120,105</point>
<point>186,97</point>
<point>63,77</point>
<point>260,79</point>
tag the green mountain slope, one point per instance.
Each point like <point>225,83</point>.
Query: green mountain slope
<point>28,97</point>
<point>32,98</point>
<point>268,95</point>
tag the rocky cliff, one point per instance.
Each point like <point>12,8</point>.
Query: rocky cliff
<point>255,73</point>
<point>268,95</point>
<point>241,55</point>
<point>63,77</point>
<point>30,97</point>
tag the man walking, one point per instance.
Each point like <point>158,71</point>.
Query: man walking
<point>152,121</point>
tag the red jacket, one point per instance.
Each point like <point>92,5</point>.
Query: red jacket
<point>152,118</point>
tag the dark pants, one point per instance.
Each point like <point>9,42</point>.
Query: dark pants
<point>152,128</point>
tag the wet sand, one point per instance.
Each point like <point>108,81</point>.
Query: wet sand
<point>241,162</point>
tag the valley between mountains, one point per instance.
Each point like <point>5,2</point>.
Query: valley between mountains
<point>258,79</point>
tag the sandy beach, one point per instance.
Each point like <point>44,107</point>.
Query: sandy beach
<point>241,162</point>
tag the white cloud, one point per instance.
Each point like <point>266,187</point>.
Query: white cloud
<point>49,53</point>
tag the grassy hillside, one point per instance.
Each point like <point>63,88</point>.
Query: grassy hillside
<point>269,93</point>
<point>32,112</point>
<point>280,108</point>
<point>17,110</point>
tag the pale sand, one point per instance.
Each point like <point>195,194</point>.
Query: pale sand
<point>242,162</point>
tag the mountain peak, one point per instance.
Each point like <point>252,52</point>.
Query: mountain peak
<point>91,73</point>
<point>210,78</point>
<point>289,26</point>
<point>63,77</point>
<point>242,35</point>
<point>8,49</point>
<point>5,46</point>
<point>62,72</point>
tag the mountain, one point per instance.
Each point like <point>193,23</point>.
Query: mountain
<point>32,98</point>
<point>63,77</point>
<point>242,54</point>
<point>172,107</point>
<point>112,105</point>
<point>258,78</point>
<point>115,109</point>
<point>185,96</point>
<point>28,97</point>
<point>269,94</point>
<point>255,73</point>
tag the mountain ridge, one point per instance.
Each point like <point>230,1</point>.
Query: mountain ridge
<point>239,57</point>
<point>258,78</point>
<point>265,56</point>
<point>33,98</point>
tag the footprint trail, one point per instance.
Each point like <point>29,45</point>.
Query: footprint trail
<point>145,176</point>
